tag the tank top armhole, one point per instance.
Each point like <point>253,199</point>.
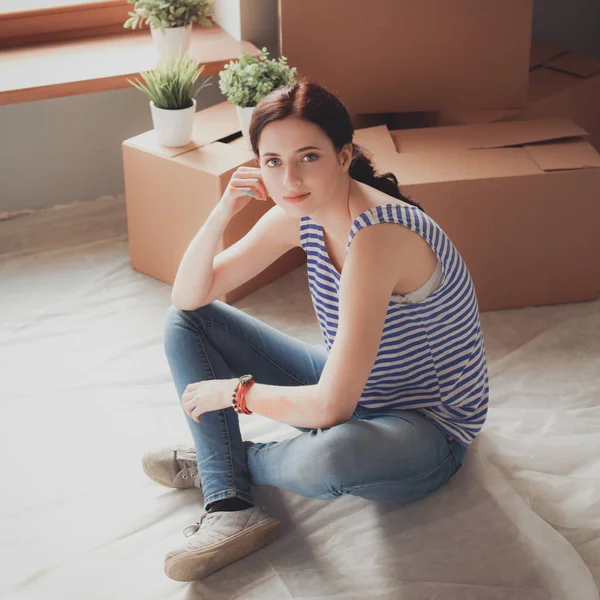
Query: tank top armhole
<point>432,285</point>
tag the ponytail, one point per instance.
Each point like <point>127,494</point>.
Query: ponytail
<point>361,169</point>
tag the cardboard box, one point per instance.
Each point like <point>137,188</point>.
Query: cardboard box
<point>518,199</point>
<point>404,120</point>
<point>401,55</point>
<point>170,192</point>
<point>561,84</point>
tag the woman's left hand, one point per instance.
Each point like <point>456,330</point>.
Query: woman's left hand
<point>207,395</point>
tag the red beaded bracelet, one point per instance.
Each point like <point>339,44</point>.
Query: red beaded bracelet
<point>243,391</point>
<point>239,395</point>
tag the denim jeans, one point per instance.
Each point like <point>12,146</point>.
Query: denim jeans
<point>380,454</point>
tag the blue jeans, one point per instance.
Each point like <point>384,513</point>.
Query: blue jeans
<point>380,454</point>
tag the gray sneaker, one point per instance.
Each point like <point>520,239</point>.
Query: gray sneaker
<point>175,467</point>
<point>217,540</point>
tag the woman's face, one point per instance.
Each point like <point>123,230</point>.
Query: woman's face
<point>297,157</point>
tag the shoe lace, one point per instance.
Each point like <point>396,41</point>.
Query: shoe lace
<point>194,528</point>
<point>186,459</point>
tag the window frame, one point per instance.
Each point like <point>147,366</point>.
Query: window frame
<point>60,23</point>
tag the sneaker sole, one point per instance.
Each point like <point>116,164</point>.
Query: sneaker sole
<point>176,487</point>
<point>198,564</point>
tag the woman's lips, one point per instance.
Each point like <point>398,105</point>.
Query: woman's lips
<point>297,198</point>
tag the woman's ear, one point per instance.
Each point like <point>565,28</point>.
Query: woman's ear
<point>345,156</point>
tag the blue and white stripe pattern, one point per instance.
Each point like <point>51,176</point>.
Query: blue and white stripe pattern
<point>432,356</point>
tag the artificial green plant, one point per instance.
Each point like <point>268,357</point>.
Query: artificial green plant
<point>170,84</point>
<point>247,81</point>
<point>165,14</point>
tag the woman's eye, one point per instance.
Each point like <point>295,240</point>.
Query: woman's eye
<point>306,155</point>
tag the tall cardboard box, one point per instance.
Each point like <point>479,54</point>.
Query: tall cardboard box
<point>567,85</point>
<point>171,191</point>
<point>561,84</point>
<point>519,200</point>
<point>401,55</point>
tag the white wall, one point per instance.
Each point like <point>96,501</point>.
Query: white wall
<point>227,14</point>
<point>66,149</point>
<point>69,149</point>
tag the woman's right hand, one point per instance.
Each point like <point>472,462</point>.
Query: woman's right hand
<point>243,181</point>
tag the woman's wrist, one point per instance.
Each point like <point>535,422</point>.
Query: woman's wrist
<point>238,397</point>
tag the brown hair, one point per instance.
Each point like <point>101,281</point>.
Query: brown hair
<point>307,100</point>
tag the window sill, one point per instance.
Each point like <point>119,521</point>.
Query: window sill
<point>98,64</point>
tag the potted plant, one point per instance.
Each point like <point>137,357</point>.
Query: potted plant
<point>247,81</point>
<point>170,22</point>
<point>172,103</point>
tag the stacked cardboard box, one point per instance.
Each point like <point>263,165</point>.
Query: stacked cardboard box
<point>561,84</point>
<point>448,97</point>
<point>392,56</point>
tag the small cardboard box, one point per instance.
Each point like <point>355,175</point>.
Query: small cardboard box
<point>400,55</point>
<point>518,199</point>
<point>561,84</point>
<point>171,191</point>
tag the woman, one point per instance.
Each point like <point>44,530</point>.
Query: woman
<point>388,409</point>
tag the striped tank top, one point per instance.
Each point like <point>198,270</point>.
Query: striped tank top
<point>431,357</point>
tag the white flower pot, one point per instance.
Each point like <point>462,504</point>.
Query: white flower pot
<point>245,116</point>
<point>173,127</point>
<point>171,41</point>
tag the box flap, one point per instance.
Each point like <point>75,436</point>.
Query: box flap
<point>216,158</point>
<point>215,123</point>
<point>576,64</point>
<point>148,141</point>
<point>435,167</point>
<point>541,52</point>
<point>238,142</point>
<point>375,139</point>
<point>486,135</point>
<point>210,125</point>
<point>576,154</point>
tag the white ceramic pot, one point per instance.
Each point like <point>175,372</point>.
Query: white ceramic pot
<point>173,127</point>
<point>171,41</point>
<point>245,116</point>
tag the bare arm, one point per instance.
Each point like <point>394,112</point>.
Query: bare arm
<point>299,406</point>
<point>195,274</point>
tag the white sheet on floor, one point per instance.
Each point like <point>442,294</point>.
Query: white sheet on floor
<point>86,391</point>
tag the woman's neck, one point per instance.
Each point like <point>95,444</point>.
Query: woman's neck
<point>336,217</point>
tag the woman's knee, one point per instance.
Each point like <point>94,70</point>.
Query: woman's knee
<point>213,311</point>
<point>174,314</point>
<point>176,317</point>
<point>178,322</point>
